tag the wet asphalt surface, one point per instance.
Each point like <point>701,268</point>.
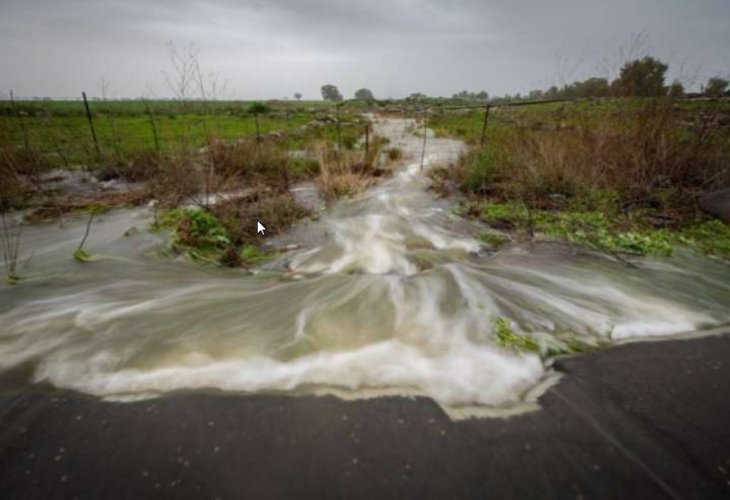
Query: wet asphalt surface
<point>644,420</point>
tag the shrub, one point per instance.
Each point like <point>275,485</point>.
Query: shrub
<point>277,211</point>
<point>254,162</point>
<point>197,233</point>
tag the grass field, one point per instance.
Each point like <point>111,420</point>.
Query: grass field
<point>59,130</point>
<point>467,124</point>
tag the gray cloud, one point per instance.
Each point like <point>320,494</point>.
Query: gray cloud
<point>273,48</point>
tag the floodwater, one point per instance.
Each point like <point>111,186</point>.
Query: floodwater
<point>388,293</point>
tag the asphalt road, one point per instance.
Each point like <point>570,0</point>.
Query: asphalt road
<point>645,420</point>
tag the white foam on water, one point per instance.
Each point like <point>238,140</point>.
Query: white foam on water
<point>460,375</point>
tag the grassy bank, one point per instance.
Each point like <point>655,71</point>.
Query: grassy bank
<point>623,176</point>
<point>182,155</point>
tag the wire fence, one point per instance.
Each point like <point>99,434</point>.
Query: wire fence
<point>412,109</point>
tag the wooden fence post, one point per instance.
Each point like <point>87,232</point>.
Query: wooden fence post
<point>367,144</point>
<point>339,136</point>
<point>425,130</point>
<point>484,125</point>
<point>26,140</point>
<point>91,122</point>
<point>152,125</point>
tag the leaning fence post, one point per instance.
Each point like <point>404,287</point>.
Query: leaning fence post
<point>91,122</point>
<point>484,125</point>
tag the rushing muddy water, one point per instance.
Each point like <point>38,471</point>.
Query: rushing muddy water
<point>388,293</point>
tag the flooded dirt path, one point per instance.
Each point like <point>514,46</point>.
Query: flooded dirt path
<point>388,295</point>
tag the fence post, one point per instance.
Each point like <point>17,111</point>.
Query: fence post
<point>26,140</point>
<point>425,130</point>
<point>91,122</point>
<point>258,131</point>
<point>484,125</point>
<point>339,136</point>
<point>367,144</point>
<point>152,124</point>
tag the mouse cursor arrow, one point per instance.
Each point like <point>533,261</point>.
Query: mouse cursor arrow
<point>260,228</point>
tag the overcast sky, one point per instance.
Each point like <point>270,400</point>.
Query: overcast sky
<point>274,48</point>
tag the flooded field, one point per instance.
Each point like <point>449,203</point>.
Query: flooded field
<point>388,292</point>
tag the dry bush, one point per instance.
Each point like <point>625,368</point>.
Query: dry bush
<point>175,179</point>
<point>141,166</point>
<point>13,187</point>
<point>278,211</point>
<point>340,173</point>
<point>648,158</point>
<point>251,161</point>
<point>345,173</point>
<point>21,177</point>
<point>258,166</point>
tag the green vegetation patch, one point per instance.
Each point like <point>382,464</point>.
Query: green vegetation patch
<point>495,240</point>
<point>595,230</point>
<point>544,344</point>
<point>197,233</point>
<point>508,338</point>
<point>604,232</point>
<point>711,237</point>
<point>201,236</point>
<point>253,255</point>
<point>82,255</point>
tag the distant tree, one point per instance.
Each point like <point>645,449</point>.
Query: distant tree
<point>641,78</point>
<point>331,93</point>
<point>364,95</point>
<point>417,96</point>
<point>535,95</point>
<point>471,96</point>
<point>298,96</point>
<point>676,89</point>
<point>715,87</point>
<point>552,93</point>
<point>592,87</point>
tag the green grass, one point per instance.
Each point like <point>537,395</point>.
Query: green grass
<point>509,339</point>
<point>132,107</point>
<point>82,255</point>
<point>196,233</point>
<point>598,231</point>
<point>202,237</point>
<point>71,136</point>
<point>60,131</point>
<point>253,255</point>
<point>494,240</point>
<point>545,344</point>
<point>467,125</point>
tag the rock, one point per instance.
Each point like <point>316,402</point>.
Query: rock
<point>717,204</point>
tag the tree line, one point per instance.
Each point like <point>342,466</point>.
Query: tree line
<point>644,77</point>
